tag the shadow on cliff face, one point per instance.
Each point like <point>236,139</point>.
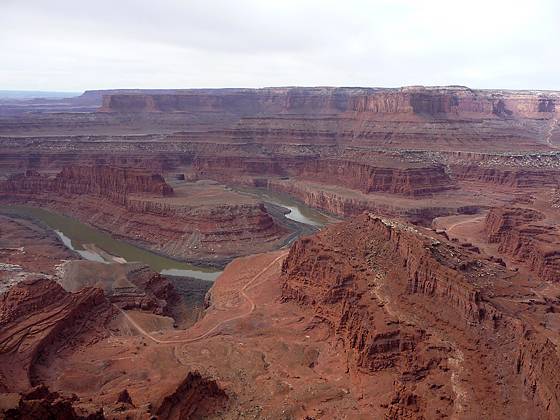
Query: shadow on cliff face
<point>193,294</point>
<point>195,398</point>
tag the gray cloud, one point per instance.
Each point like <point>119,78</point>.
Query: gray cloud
<point>73,45</point>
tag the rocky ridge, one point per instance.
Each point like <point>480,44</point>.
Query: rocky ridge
<point>431,288</point>
<point>525,235</point>
<point>417,100</point>
<point>38,318</point>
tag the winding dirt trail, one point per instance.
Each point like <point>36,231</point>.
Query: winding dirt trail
<point>218,325</point>
<point>463,222</point>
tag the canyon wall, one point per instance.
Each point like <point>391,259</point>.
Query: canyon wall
<point>507,176</point>
<point>414,100</point>
<point>388,176</point>
<point>411,142</point>
<point>526,236</point>
<point>37,319</point>
<point>142,208</point>
<point>427,287</point>
<point>112,183</point>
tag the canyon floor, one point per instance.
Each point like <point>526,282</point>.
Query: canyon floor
<point>386,253</point>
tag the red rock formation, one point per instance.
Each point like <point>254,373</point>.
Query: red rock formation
<point>195,397</point>
<point>114,184</point>
<point>346,273</point>
<point>351,203</point>
<point>138,206</point>
<point>411,181</point>
<point>38,318</point>
<point>162,295</point>
<point>418,100</point>
<point>128,286</point>
<point>524,235</point>
<point>507,176</point>
<point>392,177</point>
<point>40,403</point>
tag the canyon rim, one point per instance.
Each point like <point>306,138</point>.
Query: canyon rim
<point>297,209</point>
<point>419,281</point>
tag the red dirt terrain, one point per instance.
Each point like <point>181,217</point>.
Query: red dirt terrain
<point>371,317</point>
<point>436,297</point>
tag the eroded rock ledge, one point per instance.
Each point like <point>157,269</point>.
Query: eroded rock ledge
<point>112,183</point>
<point>413,100</point>
<point>526,236</point>
<point>37,319</point>
<point>445,309</point>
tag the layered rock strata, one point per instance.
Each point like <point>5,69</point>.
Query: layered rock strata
<point>428,288</point>
<point>143,208</point>
<point>414,100</point>
<point>37,319</point>
<point>390,176</point>
<point>508,176</point>
<point>524,235</point>
<point>111,183</point>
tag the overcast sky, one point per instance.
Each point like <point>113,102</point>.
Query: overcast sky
<point>74,45</point>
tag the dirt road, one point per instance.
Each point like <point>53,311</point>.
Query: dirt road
<point>215,327</point>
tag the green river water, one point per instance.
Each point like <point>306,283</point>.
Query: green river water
<point>77,236</point>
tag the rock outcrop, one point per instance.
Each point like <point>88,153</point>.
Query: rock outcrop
<point>142,207</point>
<point>112,183</point>
<point>40,403</point>
<point>195,397</point>
<point>414,100</point>
<point>508,176</point>
<point>387,176</point>
<point>37,319</point>
<point>427,287</point>
<point>524,235</point>
<point>128,286</point>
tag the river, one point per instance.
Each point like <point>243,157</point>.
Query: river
<point>297,211</point>
<point>96,245</point>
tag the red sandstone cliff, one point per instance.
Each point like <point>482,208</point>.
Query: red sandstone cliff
<point>507,176</point>
<point>111,183</point>
<point>138,206</point>
<point>419,100</point>
<point>524,235</point>
<point>427,288</point>
<point>37,319</point>
<point>387,176</point>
